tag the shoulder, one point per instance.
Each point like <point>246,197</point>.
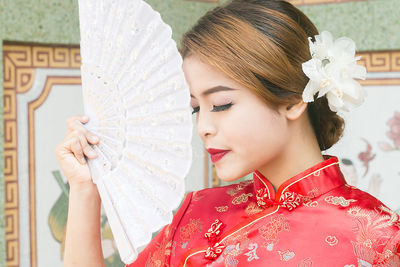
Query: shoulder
<point>376,227</point>
<point>358,203</point>
<point>353,196</point>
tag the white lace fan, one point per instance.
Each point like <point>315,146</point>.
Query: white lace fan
<point>137,99</point>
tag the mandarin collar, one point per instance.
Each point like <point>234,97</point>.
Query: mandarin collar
<point>306,185</point>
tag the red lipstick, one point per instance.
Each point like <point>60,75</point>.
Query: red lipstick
<point>216,154</point>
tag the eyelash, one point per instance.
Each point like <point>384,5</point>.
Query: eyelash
<point>216,108</point>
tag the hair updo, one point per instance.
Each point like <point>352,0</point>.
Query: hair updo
<point>261,44</point>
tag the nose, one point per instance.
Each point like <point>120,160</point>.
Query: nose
<point>205,124</point>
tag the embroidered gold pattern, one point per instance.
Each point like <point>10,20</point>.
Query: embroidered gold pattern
<point>291,200</point>
<point>252,208</point>
<point>339,201</point>
<point>243,198</point>
<point>221,208</point>
<point>263,198</point>
<point>158,257</point>
<point>311,204</point>
<point>190,228</point>
<point>371,226</point>
<point>239,187</point>
<point>271,230</point>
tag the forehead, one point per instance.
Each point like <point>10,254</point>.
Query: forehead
<point>201,76</point>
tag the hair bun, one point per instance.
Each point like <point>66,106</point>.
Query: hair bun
<point>328,125</point>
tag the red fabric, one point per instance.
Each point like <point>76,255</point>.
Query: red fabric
<point>314,219</point>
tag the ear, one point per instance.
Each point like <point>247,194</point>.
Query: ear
<point>294,111</point>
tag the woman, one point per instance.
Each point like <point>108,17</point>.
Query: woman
<point>243,63</point>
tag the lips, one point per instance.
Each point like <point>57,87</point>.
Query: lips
<point>216,154</point>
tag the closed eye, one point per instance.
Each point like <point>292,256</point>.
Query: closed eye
<point>215,109</point>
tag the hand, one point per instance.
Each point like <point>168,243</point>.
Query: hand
<point>72,150</point>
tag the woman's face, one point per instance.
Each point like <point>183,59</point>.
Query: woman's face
<point>231,117</point>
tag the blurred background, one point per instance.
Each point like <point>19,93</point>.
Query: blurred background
<point>40,88</point>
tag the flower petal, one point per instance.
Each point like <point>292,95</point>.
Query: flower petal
<point>344,45</point>
<point>311,69</point>
<point>359,72</point>
<point>332,71</point>
<point>310,90</point>
<point>325,90</point>
<point>335,103</point>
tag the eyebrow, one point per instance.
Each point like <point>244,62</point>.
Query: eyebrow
<point>214,90</point>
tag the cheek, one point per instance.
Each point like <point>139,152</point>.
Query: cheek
<point>259,126</point>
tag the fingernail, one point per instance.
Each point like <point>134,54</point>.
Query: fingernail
<point>92,153</point>
<point>83,161</point>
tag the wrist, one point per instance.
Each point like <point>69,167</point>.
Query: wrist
<point>84,188</point>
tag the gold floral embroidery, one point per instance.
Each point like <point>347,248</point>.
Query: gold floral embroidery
<point>291,200</point>
<point>252,208</point>
<point>221,208</point>
<point>239,187</point>
<point>243,198</point>
<point>190,228</point>
<point>270,230</point>
<point>339,201</point>
<point>158,257</point>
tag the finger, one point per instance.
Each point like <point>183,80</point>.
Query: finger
<point>76,148</point>
<point>77,126</point>
<point>87,149</point>
<point>76,122</point>
<point>81,118</point>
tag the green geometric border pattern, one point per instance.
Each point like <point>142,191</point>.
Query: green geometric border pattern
<point>372,24</point>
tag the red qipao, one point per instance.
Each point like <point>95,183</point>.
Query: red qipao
<point>314,219</point>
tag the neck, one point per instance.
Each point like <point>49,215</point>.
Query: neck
<point>301,152</point>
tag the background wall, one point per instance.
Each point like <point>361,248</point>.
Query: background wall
<point>373,24</point>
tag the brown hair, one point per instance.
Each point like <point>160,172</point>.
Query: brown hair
<point>262,44</point>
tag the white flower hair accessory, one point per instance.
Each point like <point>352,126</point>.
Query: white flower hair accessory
<point>332,70</point>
